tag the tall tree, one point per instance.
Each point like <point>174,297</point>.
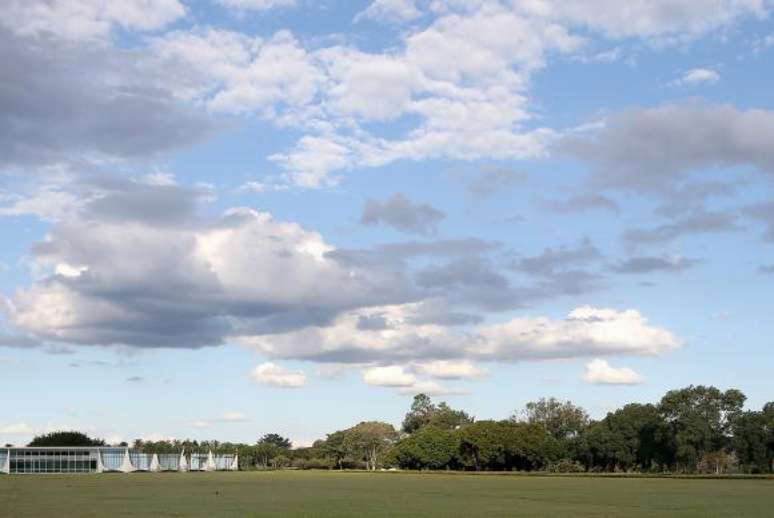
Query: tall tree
<point>65,438</point>
<point>370,439</point>
<point>277,440</point>
<point>701,421</point>
<point>422,409</point>
<point>562,419</point>
<point>424,412</point>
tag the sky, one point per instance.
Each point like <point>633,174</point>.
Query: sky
<point>226,218</point>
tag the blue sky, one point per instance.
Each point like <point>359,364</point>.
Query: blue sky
<point>226,218</point>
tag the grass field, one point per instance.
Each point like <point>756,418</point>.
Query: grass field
<point>377,494</point>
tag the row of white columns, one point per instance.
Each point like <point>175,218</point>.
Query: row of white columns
<point>127,467</point>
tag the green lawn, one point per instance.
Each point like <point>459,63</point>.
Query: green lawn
<point>378,494</point>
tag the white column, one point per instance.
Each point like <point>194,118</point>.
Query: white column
<point>235,464</point>
<point>6,468</point>
<point>154,464</point>
<point>182,465</point>
<point>126,465</point>
<point>210,465</point>
<point>100,465</point>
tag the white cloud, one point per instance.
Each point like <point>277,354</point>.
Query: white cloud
<point>234,417</point>
<point>201,424</point>
<point>87,19</point>
<point>657,20</point>
<point>600,372</point>
<point>234,73</point>
<point>473,106</point>
<point>256,5</point>
<point>586,331</point>
<point>263,273</point>
<point>391,376</point>
<point>696,76</point>
<point>272,374</point>
<point>391,11</point>
<point>451,369</point>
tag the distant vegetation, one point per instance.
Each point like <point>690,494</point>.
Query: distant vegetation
<point>696,429</point>
<point>65,439</point>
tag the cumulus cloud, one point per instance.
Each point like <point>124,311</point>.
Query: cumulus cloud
<point>403,215</point>
<point>273,375</point>
<point>390,376</point>
<point>83,20</point>
<point>697,76</point>
<point>599,372</point>
<point>586,331</point>
<point>451,369</point>
<point>121,272</point>
<point>647,149</point>
<point>87,105</point>
<point>474,106</point>
<point>660,21</point>
<point>256,5</point>
<point>390,11</point>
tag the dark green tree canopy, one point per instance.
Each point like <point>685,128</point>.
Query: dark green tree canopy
<point>276,440</point>
<point>562,419</point>
<point>424,412</point>
<point>65,438</point>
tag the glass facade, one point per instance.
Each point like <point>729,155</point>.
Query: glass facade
<point>112,458</point>
<point>99,459</point>
<point>52,461</point>
<point>197,461</point>
<point>169,461</point>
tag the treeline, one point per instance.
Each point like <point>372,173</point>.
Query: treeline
<point>696,429</point>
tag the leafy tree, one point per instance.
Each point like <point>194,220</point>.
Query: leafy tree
<point>561,419</point>
<point>277,440</point>
<point>635,437</point>
<point>446,418</point>
<point>369,440</point>
<point>701,421</point>
<point>422,409</point>
<point>484,444</point>
<point>65,438</point>
<point>334,447</point>
<point>429,448</point>
<point>424,412</point>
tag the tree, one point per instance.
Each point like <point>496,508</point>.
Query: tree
<point>701,421</point>
<point>635,437</point>
<point>446,418</point>
<point>334,447</point>
<point>424,412</point>
<point>65,438</point>
<point>277,440</point>
<point>422,409</point>
<point>429,448</point>
<point>369,440</point>
<point>561,419</point>
<point>270,448</point>
<point>750,442</point>
<point>484,444</point>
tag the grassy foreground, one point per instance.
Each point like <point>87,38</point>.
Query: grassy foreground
<point>377,494</point>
